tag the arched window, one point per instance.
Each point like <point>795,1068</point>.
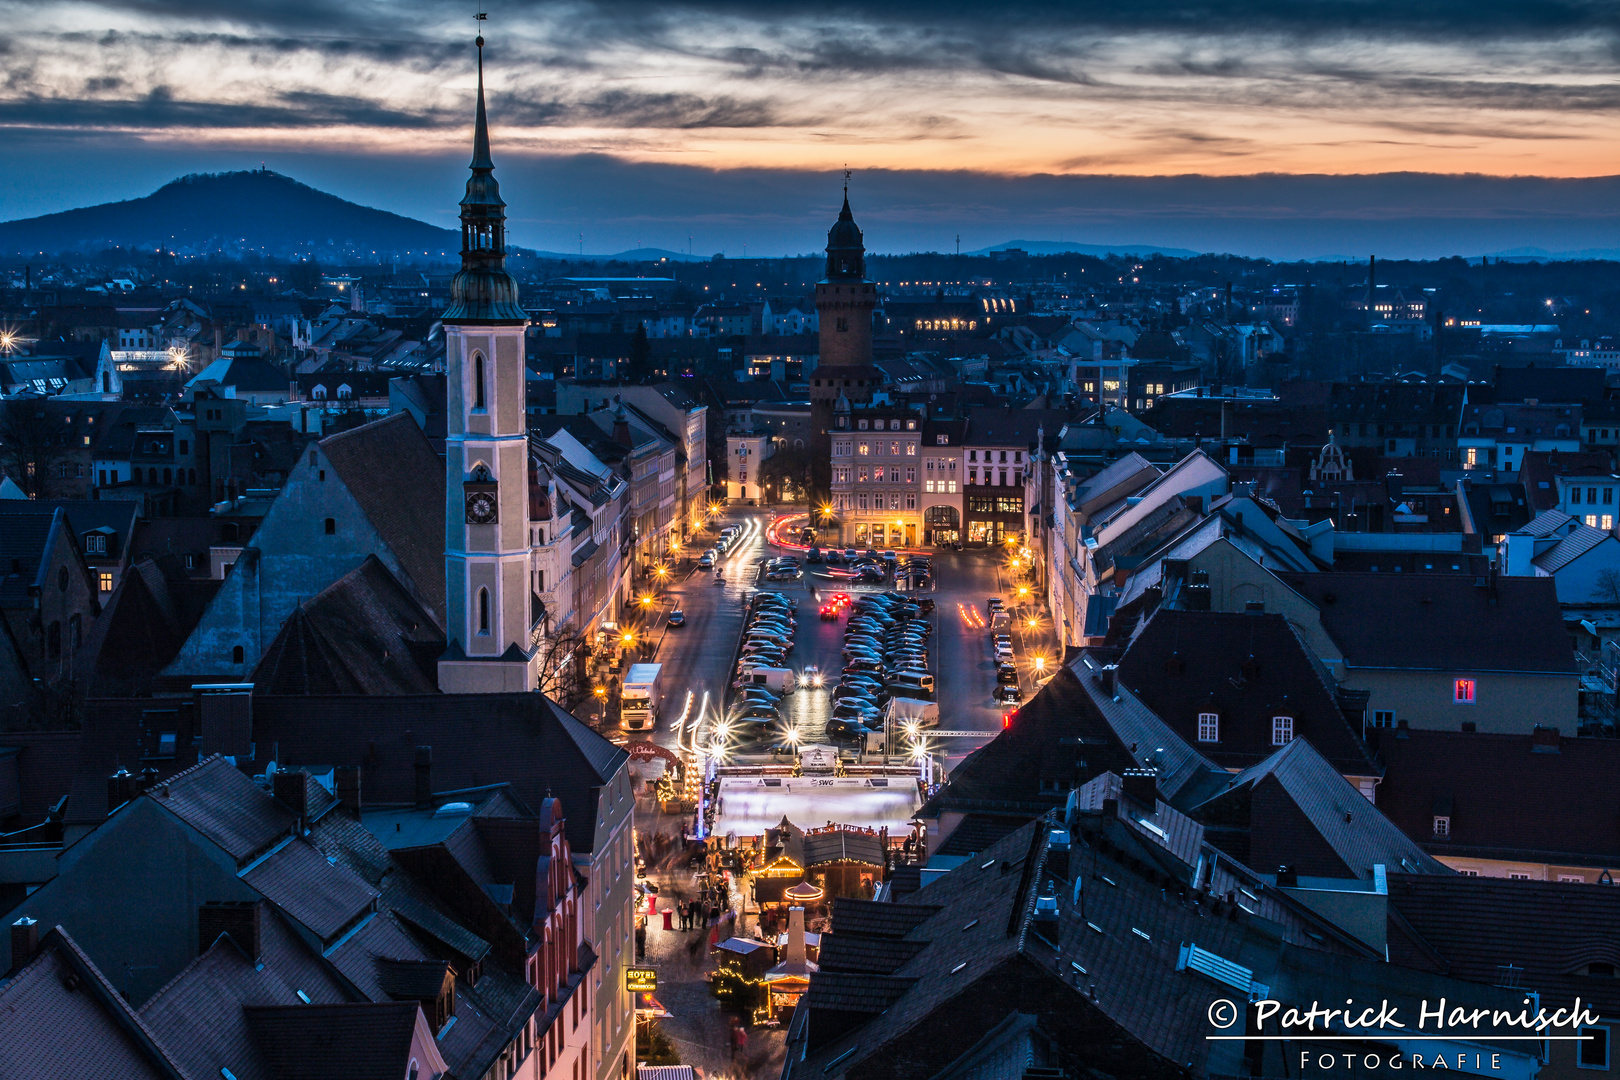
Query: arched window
<point>483,611</point>
<point>478,380</point>
<point>168,476</point>
<point>236,655</point>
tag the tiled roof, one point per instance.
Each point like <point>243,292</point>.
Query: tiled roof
<point>1337,814</point>
<point>392,472</point>
<point>1580,541</point>
<point>1556,809</point>
<point>363,634</point>
<point>411,979</point>
<point>976,832</point>
<point>852,953</point>
<point>872,919</point>
<point>23,539</point>
<point>223,804</point>
<point>199,1014</point>
<point>1548,930</point>
<point>477,739</point>
<point>355,1041</point>
<point>1548,523</point>
<point>322,896</point>
<point>1247,668</point>
<point>1441,622</point>
<point>61,1020</point>
<point>1057,739</point>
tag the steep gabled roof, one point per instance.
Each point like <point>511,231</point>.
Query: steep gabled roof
<point>1337,814</point>
<point>1057,740</point>
<point>1247,668</point>
<point>392,472</point>
<point>363,634</point>
<point>60,1019</point>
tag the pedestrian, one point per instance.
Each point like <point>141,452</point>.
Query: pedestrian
<point>739,1041</point>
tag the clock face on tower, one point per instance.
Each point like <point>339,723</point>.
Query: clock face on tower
<point>481,507</point>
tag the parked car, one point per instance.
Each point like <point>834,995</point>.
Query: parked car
<point>706,561</point>
<point>677,617</point>
<point>1008,695</point>
<point>813,555</point>
<point>1007,675</point>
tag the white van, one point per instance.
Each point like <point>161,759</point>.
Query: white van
<point>778,680</point>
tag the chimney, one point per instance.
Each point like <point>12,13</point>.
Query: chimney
<point>1545,740</point>
<point>291,789</point>
<point>1198,596</point>
<point>795,953</point>
<point>237,918</point>
<point>424,776</point>
<point>1106,678</point>
<point>120,789</point>
<point>1287,877</point>
<point>621,428</point>
<point>1142,785</point>
<point>226,719</point>
<point>348,787</point>
<point>1057,853</point>
<point>1195,503</point>
<point>1394,484</point>
<point>1226,420</point>
<point>24,941</point>
<point>1110,808</point>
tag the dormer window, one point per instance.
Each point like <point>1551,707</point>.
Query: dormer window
<point>942,440</point>
<point>1442,826</point>
<point>861,424</point>
<point>1209,727</point>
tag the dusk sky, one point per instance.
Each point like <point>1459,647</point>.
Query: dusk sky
<point>729,121</point>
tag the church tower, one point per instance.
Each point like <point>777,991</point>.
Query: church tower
<point>486,549</point>
<point>844,303</point>
<point>844,298</point>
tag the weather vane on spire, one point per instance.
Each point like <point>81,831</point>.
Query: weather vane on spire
<point>847,175</point>
<point>481,16</point>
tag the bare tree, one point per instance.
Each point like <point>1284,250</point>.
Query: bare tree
<point>1608,585</point>
<point>31,445</point>
<point>564,656</point>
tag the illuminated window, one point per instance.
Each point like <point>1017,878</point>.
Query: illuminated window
<point>105,580</point>
<point>1209,727</point>
<point>1462,691</point>
<point>1282,730</point>
<point>863,449</point>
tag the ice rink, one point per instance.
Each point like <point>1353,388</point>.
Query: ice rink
<point>747,807</point>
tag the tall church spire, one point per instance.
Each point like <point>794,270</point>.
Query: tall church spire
<point>481,158</point>
<point>483,292</point>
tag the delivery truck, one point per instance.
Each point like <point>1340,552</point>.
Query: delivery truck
<point>641,697</point>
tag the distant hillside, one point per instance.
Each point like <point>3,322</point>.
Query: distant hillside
<point>1063,247</point>
<point>232,213</point>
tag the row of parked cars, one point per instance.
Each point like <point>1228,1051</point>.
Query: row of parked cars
<point>763,677</point>
<point>722,544</point>
<point>885,656</point>
<point>1007,690</point>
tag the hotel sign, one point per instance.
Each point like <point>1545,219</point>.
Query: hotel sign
<point>640,980</point>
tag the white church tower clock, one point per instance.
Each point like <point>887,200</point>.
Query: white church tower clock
<point>486,549</point>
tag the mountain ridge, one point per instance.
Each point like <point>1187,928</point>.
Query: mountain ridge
<point>233,213</point>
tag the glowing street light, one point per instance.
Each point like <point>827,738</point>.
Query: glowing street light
<point>1040,664</point>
